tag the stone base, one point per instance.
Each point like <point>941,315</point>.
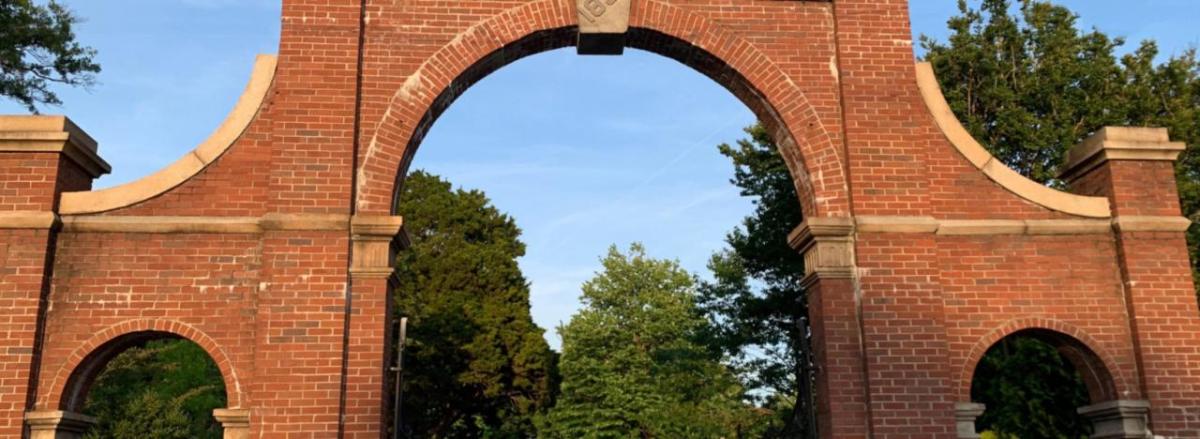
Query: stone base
<point>1118,419</point>
<point>236,422</point>
<point>57,424</point>
<point>965,414</point>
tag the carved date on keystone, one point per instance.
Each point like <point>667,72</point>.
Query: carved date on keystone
<point>593,10</point>
<point>602,26</point>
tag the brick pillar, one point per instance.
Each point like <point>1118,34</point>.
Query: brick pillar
<point>1134,168</point>
<point>40,157</point>
<point>880,101</point>
<point>828,248</point>
<point>372,272</point>
<point>314,113</point>
<point>901,311</point>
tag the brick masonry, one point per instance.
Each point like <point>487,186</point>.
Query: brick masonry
<point>274,257</point>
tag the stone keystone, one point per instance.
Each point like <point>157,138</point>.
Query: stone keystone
<point>602,26</point>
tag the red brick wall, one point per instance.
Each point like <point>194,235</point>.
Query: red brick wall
<point>23,256</point>
<point>302,341</point>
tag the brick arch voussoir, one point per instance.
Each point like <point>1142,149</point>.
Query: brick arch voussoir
<point>405,120</point>
<point>975,355</point>
<point>233,388</point>
<point>807,145</point>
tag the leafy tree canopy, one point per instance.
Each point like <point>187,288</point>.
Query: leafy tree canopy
<point>755,298</point>
<point>633,364</point>
<point>476,365</point>
<point>37,49</point>
<point>166,389</point>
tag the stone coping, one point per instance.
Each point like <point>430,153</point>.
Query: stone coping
<point>997,171</point>
<point>1120,143</point>
<point>59,421</point>
<point>811,229</point>
<point>52,134</point>
<point>191,164</point>
<point>374,227</point>
<point>36,220</point>
<point>226,225</point>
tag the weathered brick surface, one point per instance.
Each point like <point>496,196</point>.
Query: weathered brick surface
<point>23,287</point>
<point>301,340</point>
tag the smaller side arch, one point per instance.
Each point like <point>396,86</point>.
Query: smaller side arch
<point>1100,373</point>
<point>74,377</point>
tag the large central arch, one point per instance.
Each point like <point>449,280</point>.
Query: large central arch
<point>659,27</point>
<point>272,244</point>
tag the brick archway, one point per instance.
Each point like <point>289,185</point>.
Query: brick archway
<point>69,386</point>
<point>660,28</point>
<point>1100,372</point>
<point>272,243</point>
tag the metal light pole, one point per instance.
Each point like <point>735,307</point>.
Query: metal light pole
<point>398,413</point>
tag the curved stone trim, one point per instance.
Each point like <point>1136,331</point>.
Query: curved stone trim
<point>952,128</point>
<point>191,164</point>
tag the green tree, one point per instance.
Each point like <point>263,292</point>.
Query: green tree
<point>1048,388</point>
<point>37,49</point>
<point>633,364</point>
<point>755,298</point>
<point>1030,85</point>
<point>164,390</point>
<point>476,365</point>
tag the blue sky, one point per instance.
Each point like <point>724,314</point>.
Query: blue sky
<point>602,150</point>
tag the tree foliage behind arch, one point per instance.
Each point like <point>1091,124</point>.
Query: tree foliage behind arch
<point>476,365</point>
<point>166,389</point>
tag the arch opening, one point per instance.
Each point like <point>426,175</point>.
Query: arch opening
<point>1037,381</point>
<point>147,380</point>
<point>659,43</point>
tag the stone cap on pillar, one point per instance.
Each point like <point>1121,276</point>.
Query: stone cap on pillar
<point>1120,143</point>
<point>52,134</point>
<point>1118,419</point>
<point>58,421</point>
<point>232,417</point>
<point>965,414</point>
<point>827,245</point>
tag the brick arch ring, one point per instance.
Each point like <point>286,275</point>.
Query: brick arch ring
<point>656,26</point>
<point>1100,373</point>
<point>73,379</point>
